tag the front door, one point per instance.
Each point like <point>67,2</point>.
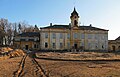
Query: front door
<point>26,47</point>
<point>75,45</point>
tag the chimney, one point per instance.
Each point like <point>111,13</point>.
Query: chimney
<point>90,25</point>
<point>50,24</point>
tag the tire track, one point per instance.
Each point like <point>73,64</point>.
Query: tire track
<point>27,65</point>
<point>21,66</point>
<point>40,69</point>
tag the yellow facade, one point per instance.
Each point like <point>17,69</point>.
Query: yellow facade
<point>67,37</point>
<point>28,41</point>
<point>79,36</point>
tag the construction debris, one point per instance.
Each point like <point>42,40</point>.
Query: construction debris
<point>11,53</point>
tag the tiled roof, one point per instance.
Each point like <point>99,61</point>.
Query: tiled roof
<point>68,27</point>
<point>29,34</point>
<point>90,28</point>
<point>57,26</point>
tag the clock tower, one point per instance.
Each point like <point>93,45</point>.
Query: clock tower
<point>74,18</point>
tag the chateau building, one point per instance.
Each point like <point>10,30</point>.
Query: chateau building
<point>27,40</point>
<point>67,37</point>
<point>62,37</point>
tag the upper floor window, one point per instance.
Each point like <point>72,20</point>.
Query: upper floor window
<point>46,35</point>
<point>36,39</point>
<point>61,36</point>
<point>36,45</point>
<point>82,36</point>
<point>96,36</point>
<point>75,35</point>
<point>68,36</point>
<point>54,36</point>
<point>89,36</point>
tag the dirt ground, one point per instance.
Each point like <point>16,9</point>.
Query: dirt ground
<point>59,68</point>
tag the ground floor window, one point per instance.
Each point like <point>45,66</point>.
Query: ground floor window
<point>68,45</point>
<point>61,45</point>
<point>46,45</point>
<point>54,45</point>
<point>26,47</point>
<point>35,46</point>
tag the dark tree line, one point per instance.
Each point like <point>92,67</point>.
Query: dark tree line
<point>9,30</point>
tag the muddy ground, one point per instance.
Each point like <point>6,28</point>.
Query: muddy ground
<point>14,67</point>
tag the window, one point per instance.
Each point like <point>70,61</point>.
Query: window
<point>96,36</point>
<point>89,45</point>
<point>103,37</point>
<point>16,39</point>
<point>75,22</point>
<point>46,35</point>
<point>96,45</point>
<point>89,36</point>
<point>82,44</point>
<point>82,36</point>
<point>31,39</point>
<point>46,44</point>
<point>22,39</point>
<point>75,35</point>
<point>54,45</point>
<point>68,36</point>
<point>61,36</point>
<point>102,46</point>
<point>35,46</point>
<point>54,36</point>
<point>61,45</point>
<point>68,45</point>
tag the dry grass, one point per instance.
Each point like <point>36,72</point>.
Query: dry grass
<point>80,55</point>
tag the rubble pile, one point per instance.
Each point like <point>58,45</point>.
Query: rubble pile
<point>5,50</point>
<point>10,53</point>
<point>16,53</point>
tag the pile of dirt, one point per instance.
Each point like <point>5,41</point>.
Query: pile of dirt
<point>5,49</point>
<point>7,52</point>
<point>16,53</point>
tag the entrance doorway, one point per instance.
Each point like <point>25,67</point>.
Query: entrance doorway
<point>26,47</point>
<point>113,48</point>
<point>75,45</point>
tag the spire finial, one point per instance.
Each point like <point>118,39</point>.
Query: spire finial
<point>74,8</point>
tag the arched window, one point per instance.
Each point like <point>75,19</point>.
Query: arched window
<point>75,22</point>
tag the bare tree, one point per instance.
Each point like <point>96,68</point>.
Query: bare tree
<point>3,27</point>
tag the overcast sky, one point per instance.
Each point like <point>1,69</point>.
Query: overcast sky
<point>100,13</point>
